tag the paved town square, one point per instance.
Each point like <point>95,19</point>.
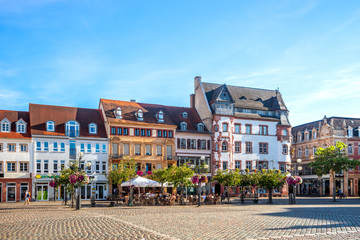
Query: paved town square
<point>310,218</point>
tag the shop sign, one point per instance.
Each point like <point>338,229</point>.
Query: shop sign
<point>44,176</point>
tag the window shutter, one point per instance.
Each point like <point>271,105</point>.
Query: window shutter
<point>208,144</point>
<point>178,143</point>
<point>198,144</point>
<point>188,143</point>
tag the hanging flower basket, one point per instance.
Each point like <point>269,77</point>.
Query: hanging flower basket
<point>293,180</point>
<point>139,173</point>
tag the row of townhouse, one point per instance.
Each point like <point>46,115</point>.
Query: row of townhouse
<point>225,127</point>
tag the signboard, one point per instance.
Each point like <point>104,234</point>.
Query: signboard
<point>43,176</point>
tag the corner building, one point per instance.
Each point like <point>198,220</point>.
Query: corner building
<point>15,155</point>
<point>250,127</point>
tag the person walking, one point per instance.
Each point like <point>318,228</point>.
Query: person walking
<point>27,198</point>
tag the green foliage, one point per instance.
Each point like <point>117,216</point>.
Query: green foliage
<point>228,178</point>
<point>125,171</point>
<point>332,159</point>
<point>179,176</point>
<point>160,175</point>
<point>271,179</point>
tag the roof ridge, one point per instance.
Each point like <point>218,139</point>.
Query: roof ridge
<point>154,104</point>
<point>3,110</point>
<point>47,105</point>
<point>242,87</point>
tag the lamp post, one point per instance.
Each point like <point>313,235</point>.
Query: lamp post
<point>202,158</point>
<point>78,194</point>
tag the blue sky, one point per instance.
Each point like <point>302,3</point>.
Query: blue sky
<point>74,52</point>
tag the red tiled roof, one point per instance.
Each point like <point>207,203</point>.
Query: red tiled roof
<point>172,115</point>
<point>13,117</point>
<point>40,114</point>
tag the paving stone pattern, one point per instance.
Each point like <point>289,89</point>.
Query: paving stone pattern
<point>309,219</point>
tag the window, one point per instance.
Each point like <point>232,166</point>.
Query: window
<point>55,147</point>
<point>148,149</point>
<point>126,131</point>
<point>24,167</point>
<point>263,165</point>
<point>11,167</point>
<point>237,164</point>
<point>137,149</point>
<point>38,166</point>
<point>140,115</point>
<point>248,164</point>
<point>89,147</point>
<point>225,165</point>
<point>314,134</point>
<point>216,128</point>
<point>307,136</point>
<point>142,132</point>
<point>159,133</point>
<point>299,153</point>
<point>158,150</point>
<point>350,149</point>
<point>55,166</point>
<point>350,132</point>
<point>203,144</point>
<point>50,126</point>
<point>282,167</point>
<point>5,125</point>
<point>169,152</point>
<point>200,127</point>
<point>1,147</point>
<point>23,148</point>
<point>285,133</point>
<point>161,116</point>
<point>72,129</point>
<point>148,132</point>
<point>225,127</point>
<point>113,130</point>
<point>115,149</point>
<point>285,149</point>
<point>237,147</point>
<point>46,166</point>
<point>11,147</point>
<point>263,148</point>
<point>126,149</point>
<point>21,126</point>
<point>183,126</point>
<point>46,146</point>
<point>62,147</point>
<point>193,144</point>
<point>118,113</point>
<point>248,147</point>
<point>119,131</point>
<point>164,133</point>
<point>306,152</point>
<point>97,167</point>
<point>38,146</point>
<point>237,128</point>
<point>148,167</point>
<point>97,148</point>
<point>183,143</point>
<point>263,130</point>
<point>1,166</point>
<point>104,148</point>
<point>103,167</point>
<point>92,128</point>
<point>62,164</point>
<point>82,147</point>
<point>314,150</point>
<point>184,115</point>
<point>137,132</point>
<point>170,134</point>
<point>224,146</point>
<point>248,129</point>
<point>216,147</point>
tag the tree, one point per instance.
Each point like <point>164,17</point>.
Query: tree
<point>249,180</point>
<point>332,160</point>
<point>228,179</point>
<point>180,177</point>
<point>271,179</point>
<point>161,176</point>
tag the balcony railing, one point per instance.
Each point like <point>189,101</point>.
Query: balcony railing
<point>116,156</point>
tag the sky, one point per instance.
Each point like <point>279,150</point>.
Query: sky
<point>72,53</point>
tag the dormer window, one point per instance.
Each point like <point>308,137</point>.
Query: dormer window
<point>92,128</point>
<point>200,127</point>
<point>50,126</point>
<point>184,115</point>
<point>72,129</point>
<point>350,132</point>
<point>183,126</point>
<point>21,126</point>
<point>140,115</point>
<point>118,113</point>
<point>5,125</point>
<point>160,116</point>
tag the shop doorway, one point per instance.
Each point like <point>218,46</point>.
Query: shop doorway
<point>23,188</point>
<point>100,191</point>
<point>42,192</point>
<point>0,192</point>
<point>11,192</point>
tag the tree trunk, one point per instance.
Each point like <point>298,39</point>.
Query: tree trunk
<point>334,187</point>
<point>242,195</point>
<point>270,195</point>
<point>228,195</point>
<point>182,195</point>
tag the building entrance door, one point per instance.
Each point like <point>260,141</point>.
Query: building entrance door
<point>11,192</point>
<point>100,191</point>
<point>42,192</point>
<point>23,188</point>
<point>0,192</point>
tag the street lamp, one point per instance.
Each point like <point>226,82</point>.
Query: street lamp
<point>202,158</point>
<point>78,194</point>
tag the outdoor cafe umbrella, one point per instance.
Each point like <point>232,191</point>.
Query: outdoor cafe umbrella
<point>140,182</point>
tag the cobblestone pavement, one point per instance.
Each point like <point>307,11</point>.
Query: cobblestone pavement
<point>311,218</point>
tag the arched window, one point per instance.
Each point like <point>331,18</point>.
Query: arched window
<point>92,128</point>
<point>306,152</point>
<point>350,149</point>
<point>183,126</point>
<point>224,146</point>
<point>200,127</point>
<point>50,126</point>
<point>161,116</point>
<point>140,115</point>
<point>184,115</point>
<point>21,126</point>
<point>285,149</point>
<point>5,125</point>
<point>72,129</point>
<point>118,113</point>
<point>314,134</point>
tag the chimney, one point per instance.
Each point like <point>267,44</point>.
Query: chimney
<point>198,78</point>
<point>192,100</point>
<point>132,100</point>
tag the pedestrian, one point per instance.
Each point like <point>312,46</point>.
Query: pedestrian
<point>27,198</point>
